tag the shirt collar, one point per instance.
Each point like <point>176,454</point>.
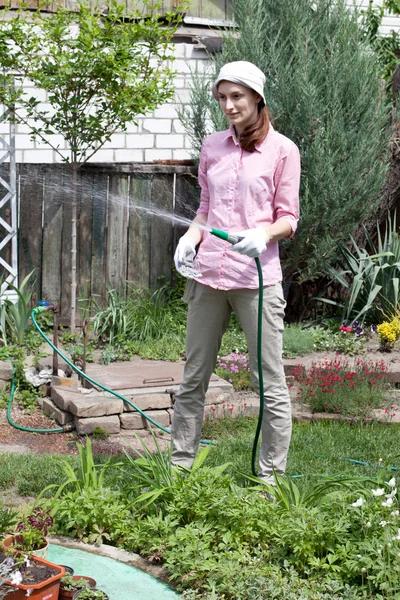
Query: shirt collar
<point>231,133</point>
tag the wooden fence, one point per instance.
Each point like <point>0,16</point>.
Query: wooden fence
<point>116,242</point>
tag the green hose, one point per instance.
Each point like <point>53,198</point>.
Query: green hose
<point>260,369</point>
<point>40,309</point>
<point>63,429</point>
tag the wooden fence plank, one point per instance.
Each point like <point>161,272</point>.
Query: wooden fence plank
<point>66,258</point>
<point>30,233</point>
<point>117,232</point>
<point>84,238</point>
<point>139,230</point>
<point>53,243</point>
<point>99,239</point>
<point>161,231</point>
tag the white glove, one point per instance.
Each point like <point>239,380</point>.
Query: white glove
<point>254,242</point>
<point>184,254</point>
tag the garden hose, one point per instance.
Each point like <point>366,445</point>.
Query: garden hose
<point>64,429</point>
<point>234,239</point>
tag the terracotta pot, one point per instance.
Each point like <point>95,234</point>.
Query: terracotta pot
<point>45,590</point>
<point>11,540</point>
<point>66,594</point>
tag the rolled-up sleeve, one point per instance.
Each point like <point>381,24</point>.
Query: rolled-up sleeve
<point>287,186</point>
<point>202,177</point>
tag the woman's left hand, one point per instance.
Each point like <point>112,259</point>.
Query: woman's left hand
<point>254,242</point>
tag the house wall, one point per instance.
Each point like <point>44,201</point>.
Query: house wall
<point>158,136</point>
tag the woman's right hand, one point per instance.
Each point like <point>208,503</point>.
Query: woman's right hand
<point>184,254</point>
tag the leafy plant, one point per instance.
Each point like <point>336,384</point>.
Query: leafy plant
<point>86,478</point>
<point>345,341</point>
<point>14,318</point>
<point>8,518</point>
<point>91,594</point>
<point>154,476</point>
<point>111,321</point>
<point>109,354</point>
<point>94,516</point>
<point>338,387</point>
<point>370,276</point>
<point>387,47</point>
<point>68,582</point>
<point>33,530</point>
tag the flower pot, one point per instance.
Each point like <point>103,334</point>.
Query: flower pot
<point>42,590</point>
<point>78,595</point>
<point>66,594</point>
<point>68,570</point>
<point>11,540</point>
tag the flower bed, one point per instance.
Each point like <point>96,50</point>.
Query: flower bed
<point>338,386</point>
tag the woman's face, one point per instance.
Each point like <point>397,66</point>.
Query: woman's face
<point>239,103</point>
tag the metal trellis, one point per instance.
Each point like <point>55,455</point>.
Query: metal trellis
<point>8,206</point>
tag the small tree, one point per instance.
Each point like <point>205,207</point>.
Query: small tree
<point>324,92</point>
<point>100,68</point>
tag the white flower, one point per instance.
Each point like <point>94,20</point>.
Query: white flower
<point>383,523</point>
<point>378,492</point>
<point>388,502</point>
<point>16,578</point>
<point>397,537</point>
<point>392,493</point>
<point>368,524</point>
<point>358,502</point>
<point>392,482</point>
<point>394,513</point>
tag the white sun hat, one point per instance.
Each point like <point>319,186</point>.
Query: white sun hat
<point>241,72</point>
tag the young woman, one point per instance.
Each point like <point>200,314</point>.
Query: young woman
<point>249,177</point>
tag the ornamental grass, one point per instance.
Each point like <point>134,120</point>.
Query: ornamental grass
<point>337,386</point>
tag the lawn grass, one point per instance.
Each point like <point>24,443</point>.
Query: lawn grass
<point>316,449</point>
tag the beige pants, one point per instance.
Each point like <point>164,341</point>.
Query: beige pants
<point>208,318</point>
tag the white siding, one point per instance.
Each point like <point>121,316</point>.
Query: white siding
<point>389,23</point>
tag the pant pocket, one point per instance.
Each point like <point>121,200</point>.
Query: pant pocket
<point>189,290</point>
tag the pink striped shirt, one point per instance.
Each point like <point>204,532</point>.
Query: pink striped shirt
<point>242,190</point>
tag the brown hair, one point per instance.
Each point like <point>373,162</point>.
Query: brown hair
<point>255,133</point>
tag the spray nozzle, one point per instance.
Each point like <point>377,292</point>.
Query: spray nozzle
<point>228,237</point>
